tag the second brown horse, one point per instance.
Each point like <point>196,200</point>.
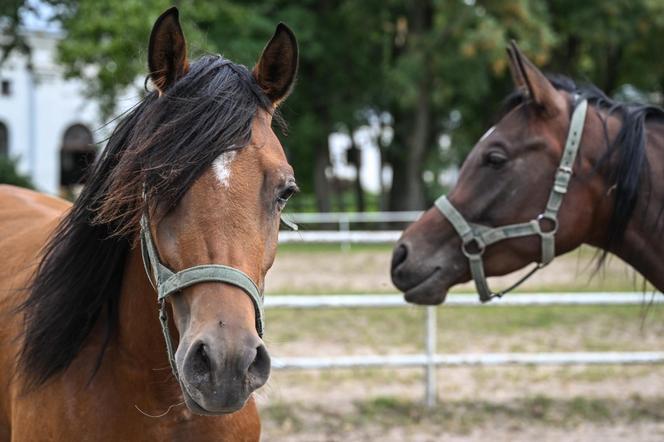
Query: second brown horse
<point>615,198</point>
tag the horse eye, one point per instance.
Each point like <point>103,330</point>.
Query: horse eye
<point>285,194</point>
<point>495,159</point>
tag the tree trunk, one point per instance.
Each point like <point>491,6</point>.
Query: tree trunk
<point>321,183</point>
<point>382,189</point>
<point>407,192</point>
<point>613,59</point>
<point>356,157</point>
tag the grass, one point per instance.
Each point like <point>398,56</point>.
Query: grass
<point>306,248</point>
<point>283,415</point>
<point>369,265</point>
<point>585,253</point>
<point>460,417</point>
<point>543,328</point>
<point>530,409</point>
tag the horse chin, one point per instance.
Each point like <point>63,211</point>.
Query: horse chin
<point>431,291</point>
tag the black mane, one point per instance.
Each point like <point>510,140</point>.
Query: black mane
<point>161,147</point>
<point>625,164</point>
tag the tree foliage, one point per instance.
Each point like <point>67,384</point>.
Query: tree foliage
<point>435,66</point>
<point>9,173</point>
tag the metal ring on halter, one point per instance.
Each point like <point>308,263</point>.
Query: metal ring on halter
<point>480,245</point>
<point>551,218</point>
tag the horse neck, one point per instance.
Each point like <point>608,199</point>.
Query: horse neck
<point>641,247</point>
<point>140,339</point>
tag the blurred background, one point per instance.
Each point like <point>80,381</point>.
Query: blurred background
<point>391,97</point>
<point>391,94</point>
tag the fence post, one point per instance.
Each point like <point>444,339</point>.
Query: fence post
<point>344,226</point>
<point>430,342</point>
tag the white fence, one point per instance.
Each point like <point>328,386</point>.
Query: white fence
<point>345,218</point>
<point>344,235</point>
<point>430,359</point>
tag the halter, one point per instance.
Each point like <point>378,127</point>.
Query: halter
<point>481,236</point>
<point>167,282</point>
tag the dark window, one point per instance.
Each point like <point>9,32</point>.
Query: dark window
<point>4,140</point>
<point>6,87</point>
<point>77,154</point>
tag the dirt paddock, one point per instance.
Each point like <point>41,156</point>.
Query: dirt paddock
<point>501,404</point>
<point>573,403</point>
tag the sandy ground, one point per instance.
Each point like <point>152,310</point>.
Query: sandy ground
<point>501,404</point>
<point>368,271</point>
<point>587,403</point>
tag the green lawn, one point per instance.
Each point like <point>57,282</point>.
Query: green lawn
<point>475,329</point>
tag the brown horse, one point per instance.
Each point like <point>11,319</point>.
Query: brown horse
<point>613,200</point>
<point>198,158</point>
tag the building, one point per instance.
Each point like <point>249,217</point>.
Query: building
<point>50,126</point>
<point>46,122</point>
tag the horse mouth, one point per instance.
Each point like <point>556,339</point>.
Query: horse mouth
<point>429,291</point>
<point>197,408</point>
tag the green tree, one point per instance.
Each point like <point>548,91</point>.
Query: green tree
<point>434,66</point>
<point>445,58</point>
<point>105,46</point>
<point>9,173</point>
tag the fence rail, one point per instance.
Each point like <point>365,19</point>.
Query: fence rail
<point>430,359</point>
<point>396,300</point>
<point>478,359</point>
<point>343,237</point>
<point>353,217</point>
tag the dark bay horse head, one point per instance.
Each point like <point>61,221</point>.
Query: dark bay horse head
<point>508,177</point>
<point>199,160</point>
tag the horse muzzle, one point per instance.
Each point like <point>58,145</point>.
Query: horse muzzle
<point>218,373</point>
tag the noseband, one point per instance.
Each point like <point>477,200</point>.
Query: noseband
<point>476,238</point>
<point>167,282</point>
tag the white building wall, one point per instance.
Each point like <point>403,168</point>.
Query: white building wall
<point>14,110</point>
<point>42,105</point>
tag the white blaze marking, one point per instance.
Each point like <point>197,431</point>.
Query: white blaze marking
<point>222,167</point>
<point>487,133</point>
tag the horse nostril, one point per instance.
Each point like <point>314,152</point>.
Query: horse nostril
<point>399,256</point>
<point>259,370</point>
<point>200,364</point>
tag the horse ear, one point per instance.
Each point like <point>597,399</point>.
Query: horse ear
<point>276,68</point>
<point>517,78</point>
<point>167,51</point>
<point>533,83</point>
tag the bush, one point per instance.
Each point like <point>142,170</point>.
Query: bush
<point>10,175</point>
